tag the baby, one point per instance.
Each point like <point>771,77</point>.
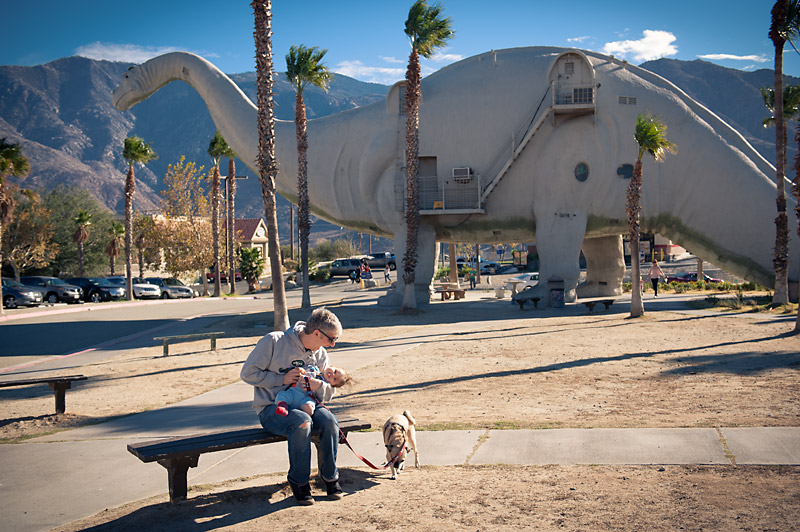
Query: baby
<point>297,395</point>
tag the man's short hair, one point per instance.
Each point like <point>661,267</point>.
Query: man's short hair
<point>324,321</point>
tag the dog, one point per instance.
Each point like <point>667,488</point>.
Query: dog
<point>399,437</point>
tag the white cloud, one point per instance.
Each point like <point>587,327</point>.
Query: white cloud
<point>654,45</point>
<point>372,74</point>
<point>446,58</point>
<point>129,53</point>
<point>580,39</point>
<point>392,60</point>
<point>723,57</point>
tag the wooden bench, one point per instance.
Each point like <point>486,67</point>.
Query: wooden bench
<point>590,303</point>
<point>185,337</point>
<point>59,385</point>
<point>447,292</point>
<point>177,455</point>
<point>523,300</point>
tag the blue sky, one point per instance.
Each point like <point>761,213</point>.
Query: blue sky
<point>365,38</point>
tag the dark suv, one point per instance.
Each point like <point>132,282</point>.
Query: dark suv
<point>344,267</point>
<point>54,289</point>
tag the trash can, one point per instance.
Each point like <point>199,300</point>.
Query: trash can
<point>555,291</point>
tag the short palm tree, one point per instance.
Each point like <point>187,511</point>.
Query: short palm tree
<point>427,31</point>
<point>650,135</point>
<point>267,164</point>
<point>222,149</point>
<point>12,162</point>
<point>81,235</point>
<point>134,151</point>
<point>303,68</point>
<point>215,151</point>
<point>785,26</point>
<point>116,231</point>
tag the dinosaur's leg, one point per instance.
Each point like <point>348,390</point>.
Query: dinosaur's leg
<point>559,236</point>
<point>426,264</point>
<point>605,266</point>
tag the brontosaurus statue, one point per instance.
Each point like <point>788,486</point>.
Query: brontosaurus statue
<point>526,144</point>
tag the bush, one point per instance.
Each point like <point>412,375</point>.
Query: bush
<point>291,265</point>
<point>320,276</point>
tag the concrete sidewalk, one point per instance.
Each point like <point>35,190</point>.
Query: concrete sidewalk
<point>52,480</point>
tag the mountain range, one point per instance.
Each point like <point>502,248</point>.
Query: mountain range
<point>62,116</point>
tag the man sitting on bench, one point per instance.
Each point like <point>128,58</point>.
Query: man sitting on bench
<point>275,363</point>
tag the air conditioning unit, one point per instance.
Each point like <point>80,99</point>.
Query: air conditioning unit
<point>463,175</point>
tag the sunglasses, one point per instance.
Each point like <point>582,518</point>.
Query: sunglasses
<point>332,340</point>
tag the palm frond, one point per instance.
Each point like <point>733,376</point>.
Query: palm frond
<point>136,150</point>
<point>426,29</point>
<point>650,135</point>
<point>304,67</point>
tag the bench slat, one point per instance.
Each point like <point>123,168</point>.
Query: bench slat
<point>184,336</point>
<point>42,380</point>
<point>152,451</point>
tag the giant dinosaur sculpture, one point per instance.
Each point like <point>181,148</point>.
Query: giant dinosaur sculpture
<point>527,144</point>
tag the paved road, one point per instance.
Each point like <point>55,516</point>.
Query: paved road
<point>47,339</point>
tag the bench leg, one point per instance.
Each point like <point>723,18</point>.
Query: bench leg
<point>535,302</point>
<point>521,303</point>
<point>608,304</point>
<point>177,469</point>
<point>60,391</point>
<point>166,347</point>
<point>590,306</point>
<point>213,342</point>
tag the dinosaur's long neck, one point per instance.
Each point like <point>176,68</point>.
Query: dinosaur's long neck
<point>231,110</point>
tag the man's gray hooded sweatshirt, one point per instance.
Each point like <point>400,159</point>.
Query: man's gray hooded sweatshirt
<point>273,356</point>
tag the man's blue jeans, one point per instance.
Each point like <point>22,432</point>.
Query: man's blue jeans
<point>298,428</point>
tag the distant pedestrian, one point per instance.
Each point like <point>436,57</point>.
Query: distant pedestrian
<point>655,274</point>
<point>472,283</point>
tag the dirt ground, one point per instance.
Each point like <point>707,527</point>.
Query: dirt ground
<point>526,370</point>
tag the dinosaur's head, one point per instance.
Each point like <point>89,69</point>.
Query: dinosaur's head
<point>140,81</point>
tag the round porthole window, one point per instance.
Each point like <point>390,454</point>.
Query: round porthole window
<point>582,172</point>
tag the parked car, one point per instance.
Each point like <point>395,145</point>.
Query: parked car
<point>526,280</point>
<point>19,295</point>
<point>489,267</point>
<point>97,289</point>
<point>141,288</point>
<point>382,260</point>
<point>223,276</point>
<point>691,277</point>
<point>343,267</point>
<point>54,289</point>
<point>171,287</point>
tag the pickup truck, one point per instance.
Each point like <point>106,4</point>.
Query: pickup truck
<point>382,260</point>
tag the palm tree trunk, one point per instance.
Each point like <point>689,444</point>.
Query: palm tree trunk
<point>231,184</point>
<point>215,228</point>
<point>2,307</point>
<point>781,260</point>
<point>451,248</point>
<point>267,165</point>
<point>112,264</point>
<point>633,207</point>
<point>80,259</point>
<point>412,174</point>
<point>796,192</point>
<point>130,188</point>
<point>303,217</point>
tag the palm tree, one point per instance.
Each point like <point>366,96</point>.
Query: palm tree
<point>303,68</point>
<point>785,26</point>
<point>116,231</point>
<point>222,149</point>
<point>135,150</point>
<point>12,162</point>
<point>215,151</point>
<point>81,235</point>
<point>650,135</point>
<point>267,164</point>
<point>427,31</point>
